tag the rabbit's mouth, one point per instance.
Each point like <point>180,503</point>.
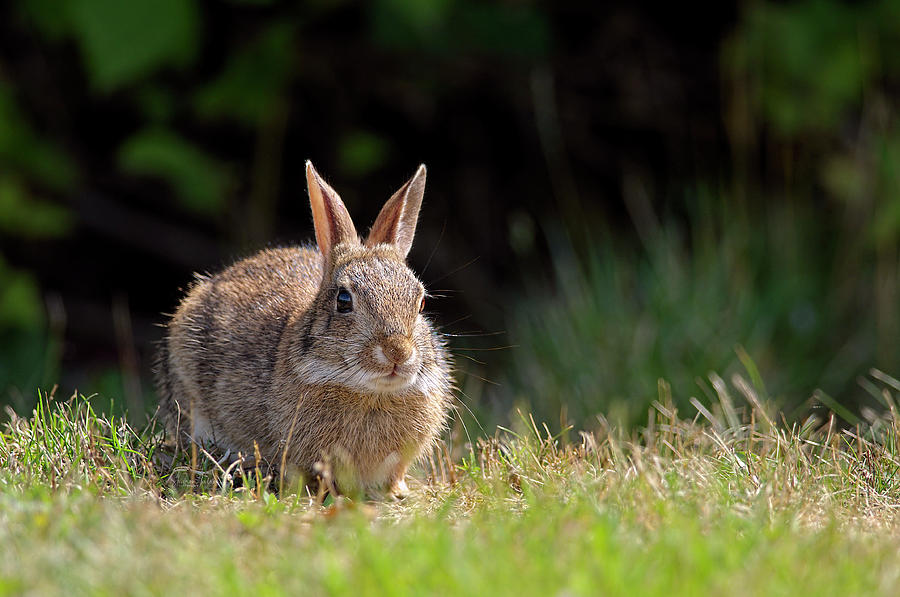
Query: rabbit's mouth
<point>393,381</point>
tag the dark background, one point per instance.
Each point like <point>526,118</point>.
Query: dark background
<point>617,192</point>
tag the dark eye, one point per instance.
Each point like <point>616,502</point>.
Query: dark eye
<point>344,301</point>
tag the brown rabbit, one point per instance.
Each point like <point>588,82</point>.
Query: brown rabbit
<point>317,356</point>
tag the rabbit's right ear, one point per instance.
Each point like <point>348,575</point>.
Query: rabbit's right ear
<point>330,217</point>
<point>396,223</point>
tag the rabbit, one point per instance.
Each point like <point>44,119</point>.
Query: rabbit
<point>317,355</point>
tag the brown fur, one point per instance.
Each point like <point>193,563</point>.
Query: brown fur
<point>258,352</point>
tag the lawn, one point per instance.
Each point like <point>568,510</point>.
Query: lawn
<point>725,500</point>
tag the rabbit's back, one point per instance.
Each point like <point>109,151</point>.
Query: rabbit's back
<point>219,358</point>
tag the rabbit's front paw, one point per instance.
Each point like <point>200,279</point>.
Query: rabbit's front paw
<point>399,490</point>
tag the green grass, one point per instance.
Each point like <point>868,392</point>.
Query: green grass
<point>724,291</point>
<point>727,501</point>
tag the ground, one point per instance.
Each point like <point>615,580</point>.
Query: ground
<point>723,502</point>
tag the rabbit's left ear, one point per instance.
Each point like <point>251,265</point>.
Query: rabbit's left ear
<point>330,217</point>
<point>396,224</point>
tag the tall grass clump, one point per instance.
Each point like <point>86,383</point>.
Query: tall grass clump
<point>770,294</point>
<point>67,445</point>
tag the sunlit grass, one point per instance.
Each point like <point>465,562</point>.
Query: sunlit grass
<point>725,499</point>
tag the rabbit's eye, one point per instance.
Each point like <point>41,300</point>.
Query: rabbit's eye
<point>344,301</point>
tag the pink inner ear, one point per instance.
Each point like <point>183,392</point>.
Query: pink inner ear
<point>331,219</point>
<point>320,217</point>
<point>384,230</point>
<point>396,224</point>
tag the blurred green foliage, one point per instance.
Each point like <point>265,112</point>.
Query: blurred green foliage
<point>514,30</point>
<point>29,166</point>
<point>27,353</point>
<point>28,155</point>
<point>802,285</point>
<point>20,301</point>
<point>813,57</point>
<point>197,178</point>
<point>361,152</point>
<point>791,257</point>
<point>21,214</point>
<point>122,42</point>
<point>766,295</point>
<point>253,78</point>
<point>821,74</point>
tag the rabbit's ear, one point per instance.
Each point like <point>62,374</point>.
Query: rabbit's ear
<point>396,224</point>
<point>330,218</point>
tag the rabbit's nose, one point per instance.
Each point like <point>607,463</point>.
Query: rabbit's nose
<point>397,349</point>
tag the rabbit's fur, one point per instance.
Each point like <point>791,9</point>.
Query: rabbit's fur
<point>260,353</point>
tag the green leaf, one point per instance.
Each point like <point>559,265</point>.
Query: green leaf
<point>22,151</point>
<point>361,152</point>
<point>844,178</point>
<point>123,41</point>
<point>500,30</point>
<point>20,300</point>
<point>24,216</point>
<point>199,181</point>
<point>445,26</point>
<point>811,64</point>
<point>156,103</point>
<point>886,223</point>
<point>252,80</point>
<point>47,17</point>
